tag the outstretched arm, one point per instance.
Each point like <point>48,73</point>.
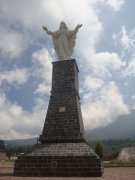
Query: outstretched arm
<point>77,27</point>
<point>47,31</point>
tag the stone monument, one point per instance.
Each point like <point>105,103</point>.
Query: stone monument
<point>63,150</point>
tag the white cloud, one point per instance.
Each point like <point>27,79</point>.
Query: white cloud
<point>130,69</point>
<point>91,83</point>
<point>103,63</point>
<point>115,4</point>
<point>126,39</point>
<point>126,83</point>
<point>42,64</point>
<point>26,14</point>
<point>16,123</point>
<point>133,97</point>
<point>21,25</point>
<point>105,109</point>
<point>43,89</point>
<point>12,43</point>
<point>14,76</point>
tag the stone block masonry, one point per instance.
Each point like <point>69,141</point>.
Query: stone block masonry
<point>64,120</point>
<point>63,151</point>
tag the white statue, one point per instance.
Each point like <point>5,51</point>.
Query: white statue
<point>63,40</point>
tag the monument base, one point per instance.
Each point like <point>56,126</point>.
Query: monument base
<point>61,160</point>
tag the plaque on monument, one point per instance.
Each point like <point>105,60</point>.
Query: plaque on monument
<point>63,150</point>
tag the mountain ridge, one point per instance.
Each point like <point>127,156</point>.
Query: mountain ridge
<point>122,128</point>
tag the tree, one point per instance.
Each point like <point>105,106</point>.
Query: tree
<point>99,149</point>
<point>9,151</point>
<point>2,145</point>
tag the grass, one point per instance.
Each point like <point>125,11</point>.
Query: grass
<point>118,163</point>
<point>6,163</point>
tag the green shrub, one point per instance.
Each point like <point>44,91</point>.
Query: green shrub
<point>99,149</point>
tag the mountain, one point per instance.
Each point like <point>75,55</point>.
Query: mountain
<point>2,144</point>
<point>22,142</point>
<point>122,128</point>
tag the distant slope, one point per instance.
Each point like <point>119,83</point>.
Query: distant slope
<point>123,127</point>
<point>2,144</point>
<point>21,142</point>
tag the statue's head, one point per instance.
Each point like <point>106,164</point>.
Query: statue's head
<point>63,25</point>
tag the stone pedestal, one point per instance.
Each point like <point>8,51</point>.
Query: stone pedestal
<point>63,150</point>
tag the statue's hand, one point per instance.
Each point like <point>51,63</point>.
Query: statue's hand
<point>45,28</point>
<point>79,25</point>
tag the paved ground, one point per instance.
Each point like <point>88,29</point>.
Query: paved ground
<point>120,173</point>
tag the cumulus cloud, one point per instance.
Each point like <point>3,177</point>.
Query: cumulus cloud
<point>17,123</point>
<point>28,14</point>
<point>115,4</point>
<point>105,109</point>
<point>42,64</point>
<point>43,89</point>
<point>12,43</point>
<point>14,76</point>
<point>42,69</point>
<point>21,25</point>
<point>133,96</point>
<point>92,83</point>
<point>126,39</point>
<point>103,63</point>
<point>130,69</point>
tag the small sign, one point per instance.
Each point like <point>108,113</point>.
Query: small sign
<point>61,109</point>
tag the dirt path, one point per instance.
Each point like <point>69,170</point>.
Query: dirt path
<point>120,173</point>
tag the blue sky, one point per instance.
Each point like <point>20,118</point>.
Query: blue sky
<point>104,53</point>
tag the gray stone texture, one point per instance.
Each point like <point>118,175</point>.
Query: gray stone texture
<point>63,150</point>
<point>67,125</point>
